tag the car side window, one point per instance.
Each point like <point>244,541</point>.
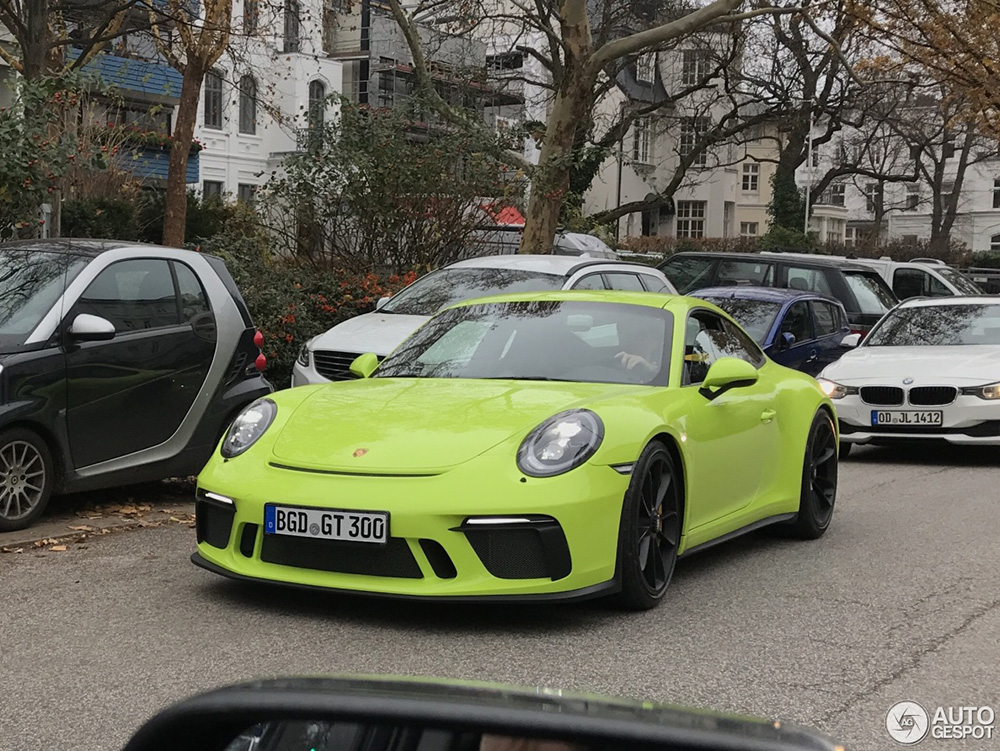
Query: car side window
<point>938,288</point>
<point>134,295</point>
<point>707,337</point>
<point>757,273</point>
<point>809,280</point>
<point>193,300</point>
<point>909,283</point>
<point>825,318</point>
<point>653,283</point>
<point>688,273</point>
<point>622,281</point>
<point>591,281</point>
<point>797,322</point>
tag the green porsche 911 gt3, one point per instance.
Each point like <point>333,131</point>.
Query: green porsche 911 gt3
<point>542,446</point>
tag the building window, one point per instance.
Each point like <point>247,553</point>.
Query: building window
<point>995,243</point>
<point>650,222</point>
<point>693,130</point>
<point>690,218</point>
<point>996,193</point>
<point>748,229</point>
<point>850,235</point>
<point>913,197</point>
<point>245,192</point>
<point>645,67</point>
<point>211,189</point>
<point>291,40</point>
<point>873,197</point>
<point>317,105</point>
<point>751,177</point>
<point>641,140</point>
<point>213,100</point>
<point>833,195</point>
<point>251,13</point>
<point>248,105</point>
<point>694,67</point>
<point>386,89</point>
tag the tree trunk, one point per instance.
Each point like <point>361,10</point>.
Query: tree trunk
<point>175,215</point>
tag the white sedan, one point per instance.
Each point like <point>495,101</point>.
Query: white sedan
<point>930,369</point>
<point>328,357</point>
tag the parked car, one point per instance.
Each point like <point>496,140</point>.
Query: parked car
<point>119,363</point>
<point>328,356</point>
<point>925,277</point>
<point>865,295</point>
<point>929,370</point>
<point>524,446</point>
<point>800,330</point>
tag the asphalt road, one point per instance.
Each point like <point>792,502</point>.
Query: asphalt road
<point>899,601</point>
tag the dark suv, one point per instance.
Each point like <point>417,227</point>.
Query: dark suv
<point>119,363</point>
<point>865,295</point>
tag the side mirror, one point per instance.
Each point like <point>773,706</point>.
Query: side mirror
<point>727,373</point>
<point>381,301</point>
<point>785,340</point>
<point>364,365</point>
<point>375,712</point>
<point>88,328</point>
<point>851,341</point>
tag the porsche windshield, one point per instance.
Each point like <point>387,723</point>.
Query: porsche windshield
<point>539,340</point>
<point>428,295</point>
<point>30,283</point>
<point>755,316</point>
<point>938,325</point>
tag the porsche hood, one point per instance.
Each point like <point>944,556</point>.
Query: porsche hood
<point>414,426</point>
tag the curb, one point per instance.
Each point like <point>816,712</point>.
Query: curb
<point>55,531</point>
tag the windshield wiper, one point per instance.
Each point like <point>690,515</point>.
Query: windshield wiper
<point>526,378</point>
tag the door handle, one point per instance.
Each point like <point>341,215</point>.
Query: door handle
<point>813,355</point>
<point>767,415</point>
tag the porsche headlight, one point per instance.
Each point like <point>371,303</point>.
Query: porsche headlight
<point>559,444</point>
<point>248,427</point>
<point>989,392</point>
<point>303,357</point>
<point>836,390</point>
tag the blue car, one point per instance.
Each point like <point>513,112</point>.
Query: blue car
<point>797,329</point>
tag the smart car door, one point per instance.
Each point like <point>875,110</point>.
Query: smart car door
<point>133,391</point>
<point>801,354</point>
<point>730,440</point>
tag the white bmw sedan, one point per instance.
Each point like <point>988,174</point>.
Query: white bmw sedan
<point>328,357</point>
<point>930,369</point>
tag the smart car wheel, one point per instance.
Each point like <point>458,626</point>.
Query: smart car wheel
<point>819,480</point>
<point>26,478</point>
<point>650,529</point>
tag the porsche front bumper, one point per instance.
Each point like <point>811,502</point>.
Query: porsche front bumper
<point>556,538</point>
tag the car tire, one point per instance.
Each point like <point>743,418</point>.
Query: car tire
<point>845,449</point>
<point>818,492</point>
<point>27,477</point>
<point>650,529</point>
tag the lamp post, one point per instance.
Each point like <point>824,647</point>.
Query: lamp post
<point>809,165</point>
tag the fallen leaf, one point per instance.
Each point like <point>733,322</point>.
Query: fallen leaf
<point>58,548</point>
<point>81,528</point>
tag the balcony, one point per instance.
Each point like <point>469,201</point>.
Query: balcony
<point>152,163</point>
<point>137,78</point>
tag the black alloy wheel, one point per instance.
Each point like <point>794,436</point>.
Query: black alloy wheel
<point>26,478</point>
<point>650,530</point>
<point>819,480</point>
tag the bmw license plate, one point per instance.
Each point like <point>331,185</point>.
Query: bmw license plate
<point>327,524</point>
<point>907,417</point>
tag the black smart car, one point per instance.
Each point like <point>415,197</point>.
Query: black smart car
<point>864,293</point>
<point>119,363</point>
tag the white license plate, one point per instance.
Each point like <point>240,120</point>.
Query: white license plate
<point>327,524</point>
<point>907,417</point>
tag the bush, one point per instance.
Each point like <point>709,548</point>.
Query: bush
<point>103,217</point>
<point>661,247</point>
<point>205,217</point>
<point>290,301</point>
<point>986,259</point>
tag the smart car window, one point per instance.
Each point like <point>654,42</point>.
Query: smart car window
<point>193,300</point>
<point>811,280</point>
<point>797,323</point>
<point>938,325</point>
<point>745,272</point>
<point>688,272</point>
<point>539,340</point>
<point>438,290</point>
<point>591,281</point>
<point>133,295</point>
<point>653,283</point>
<point>30,284</point>
<point>825,319</point>
<point>870,291</point>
